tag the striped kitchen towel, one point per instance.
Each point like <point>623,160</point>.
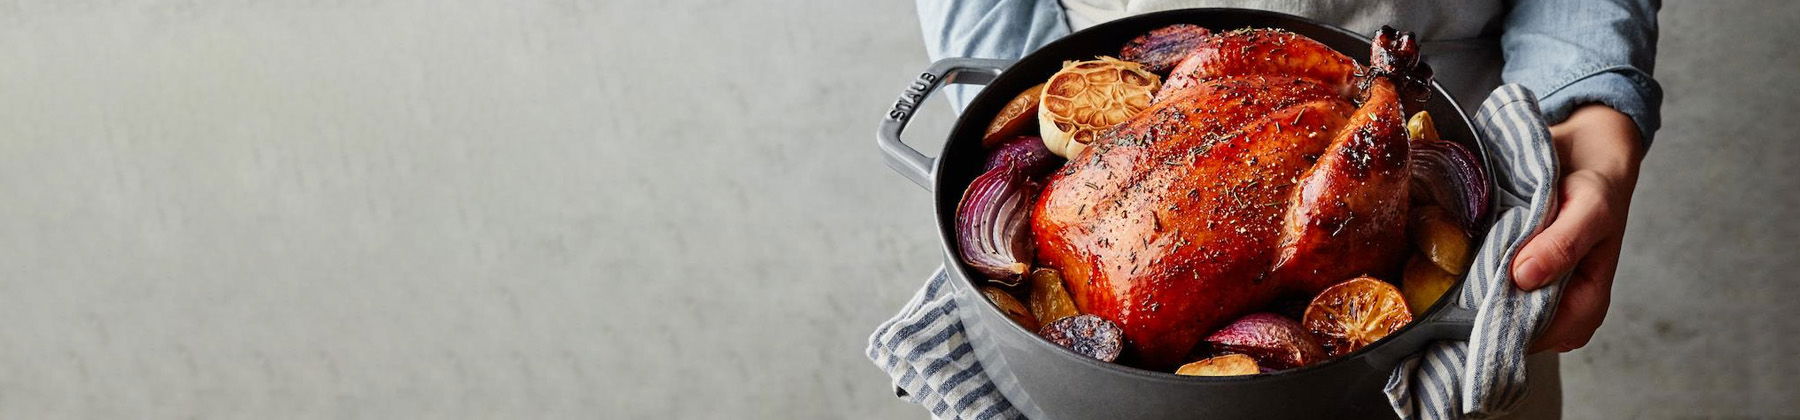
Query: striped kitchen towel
<point>1485,376</point>
<point>925,351</point>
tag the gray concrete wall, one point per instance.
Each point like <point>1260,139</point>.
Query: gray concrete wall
<point>530,209</point>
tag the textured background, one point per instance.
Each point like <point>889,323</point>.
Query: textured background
<point>528,209</point>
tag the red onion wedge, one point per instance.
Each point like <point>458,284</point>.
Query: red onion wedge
<point>1275,341</point>
<point>1453,177</point>
<point>992,222</point>
<point>1028,152</point>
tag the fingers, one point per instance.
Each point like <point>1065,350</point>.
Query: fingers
<point>1599,148</point>
<point>1586,298</point>
<point>1582,222</point>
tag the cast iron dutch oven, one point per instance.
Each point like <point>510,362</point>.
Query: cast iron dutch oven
<point>1048,382</point>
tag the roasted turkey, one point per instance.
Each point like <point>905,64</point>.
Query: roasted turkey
<point>1269,165</point>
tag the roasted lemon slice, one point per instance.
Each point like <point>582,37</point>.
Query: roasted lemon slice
<point>1018,114</point>
<point>1355,313</point>
<point>1086,97</point>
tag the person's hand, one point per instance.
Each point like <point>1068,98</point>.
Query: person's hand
<point>1600,151</point>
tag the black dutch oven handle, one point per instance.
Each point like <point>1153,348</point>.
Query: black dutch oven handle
<point>904,159</point>
<point>1453,323</point>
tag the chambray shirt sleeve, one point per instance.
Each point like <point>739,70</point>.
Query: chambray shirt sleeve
<point>1573,53</point>
<point>987,29</point>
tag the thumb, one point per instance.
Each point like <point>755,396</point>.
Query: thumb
<point>1577,227</point>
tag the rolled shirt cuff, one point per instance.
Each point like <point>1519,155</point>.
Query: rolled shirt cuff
<point>1624,88</point>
